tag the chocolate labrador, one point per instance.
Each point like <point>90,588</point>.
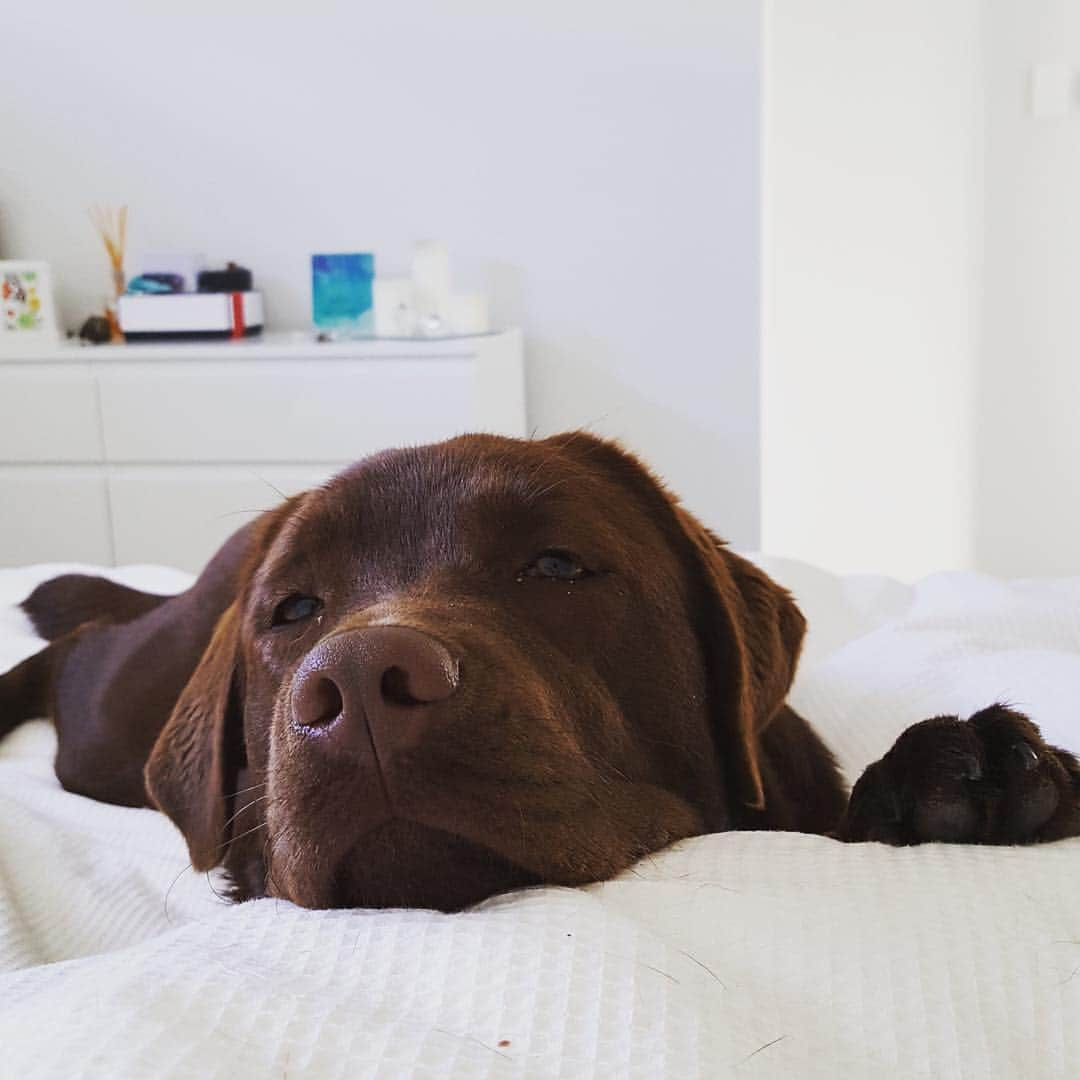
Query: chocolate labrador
<point>488,663</point>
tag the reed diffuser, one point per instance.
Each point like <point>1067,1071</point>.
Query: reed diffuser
<point>112,228</point>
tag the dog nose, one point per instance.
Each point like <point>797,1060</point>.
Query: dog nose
<point>381,677</point>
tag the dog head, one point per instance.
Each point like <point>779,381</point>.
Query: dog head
<point>467,667</point>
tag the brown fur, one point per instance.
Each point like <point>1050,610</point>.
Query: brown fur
<point>594,721</point>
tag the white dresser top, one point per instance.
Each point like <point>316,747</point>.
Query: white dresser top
<point>271,345</point>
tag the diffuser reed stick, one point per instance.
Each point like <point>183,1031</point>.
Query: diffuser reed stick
<point>112,228</point>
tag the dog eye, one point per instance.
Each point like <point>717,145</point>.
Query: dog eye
<point>557,566</point>
<point>295,608</point>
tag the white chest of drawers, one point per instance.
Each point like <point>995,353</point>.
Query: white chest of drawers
<point>156,453</point>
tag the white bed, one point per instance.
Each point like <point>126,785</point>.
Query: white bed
<point>739,954</point>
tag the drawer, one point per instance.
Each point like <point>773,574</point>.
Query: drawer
<point>53,514</point>
<point>179,516</point>
<point>306,411</point>
<point>48,414</point>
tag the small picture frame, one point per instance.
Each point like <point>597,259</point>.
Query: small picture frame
<point>27,306</point>
<point>341,293</point>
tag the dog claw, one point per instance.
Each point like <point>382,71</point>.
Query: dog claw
<point>1027,754</point>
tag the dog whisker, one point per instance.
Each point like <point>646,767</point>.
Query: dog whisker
<point>172,885</point>
<point>248,832</point>
<point>244,791</point>
<point>246,806</point>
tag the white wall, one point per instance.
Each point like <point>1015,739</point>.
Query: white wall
<point>872,248</point>
<point>594,164</point>
<point>1028,510</point>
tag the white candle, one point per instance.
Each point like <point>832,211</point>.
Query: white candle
<point>431,281</point>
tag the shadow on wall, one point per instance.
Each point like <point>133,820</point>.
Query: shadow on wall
<point>714,470</point>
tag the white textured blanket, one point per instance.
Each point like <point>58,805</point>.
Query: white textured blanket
<point>732,955</point>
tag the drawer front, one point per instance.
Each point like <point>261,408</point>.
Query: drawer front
<point>53,514</point>
<point>179,516</point>
<point>48,414</point>
<point>312,411</point>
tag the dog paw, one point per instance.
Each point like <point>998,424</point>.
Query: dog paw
<point>988,780</point>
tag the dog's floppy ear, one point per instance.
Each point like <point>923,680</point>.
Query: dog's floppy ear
<point>190,764</point>
<point>751,628</point>
<point>754,633</point>
<point>187,769</point>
